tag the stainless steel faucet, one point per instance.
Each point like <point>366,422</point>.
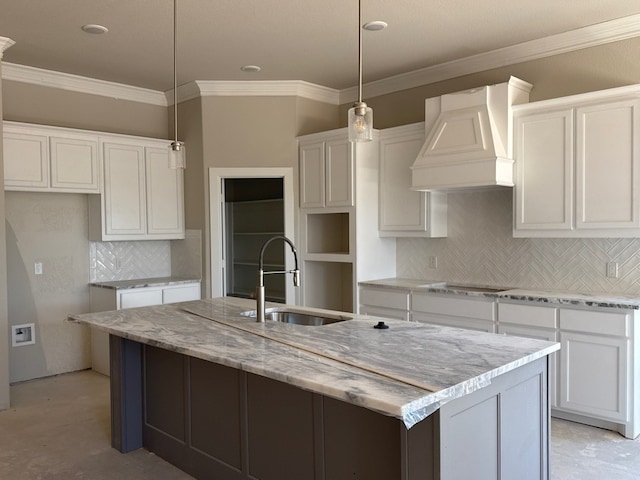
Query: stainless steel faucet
<point>261,273</point>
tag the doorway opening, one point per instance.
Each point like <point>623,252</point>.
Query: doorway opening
<point>253,213</point>
<point>247,207</point>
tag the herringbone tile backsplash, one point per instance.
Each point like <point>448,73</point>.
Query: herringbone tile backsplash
<point>480,249</point>
<point>109,261</point>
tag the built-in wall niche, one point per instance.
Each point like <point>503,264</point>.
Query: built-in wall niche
<point>328,233</point>
<point>332,285</point>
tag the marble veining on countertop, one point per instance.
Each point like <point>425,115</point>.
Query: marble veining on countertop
<point>542,296</point>
<point>407,371</point>
<point>144,282</point>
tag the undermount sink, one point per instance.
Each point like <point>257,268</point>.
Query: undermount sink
<point>296,317</point>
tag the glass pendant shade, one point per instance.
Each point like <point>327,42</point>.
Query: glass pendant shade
<point>177,155</point>
<point>360,122</point>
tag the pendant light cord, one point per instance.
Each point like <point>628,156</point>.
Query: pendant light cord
<point>359,51</point>
<point>175,69</point>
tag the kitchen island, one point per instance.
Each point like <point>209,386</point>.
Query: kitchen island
<point>225,397</point>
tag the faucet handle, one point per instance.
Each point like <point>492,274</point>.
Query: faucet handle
<point>296,278</point>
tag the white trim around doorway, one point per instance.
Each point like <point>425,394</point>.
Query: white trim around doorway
<point>216,200</point>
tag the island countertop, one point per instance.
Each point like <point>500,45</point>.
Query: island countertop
<point>407,371</point>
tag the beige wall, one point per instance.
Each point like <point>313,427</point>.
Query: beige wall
<point>597,68</point>
<point>24,102</point>
<point>50,228</point>
<point>4,321</point>
<point>244,132</point>
<point>195,181</point>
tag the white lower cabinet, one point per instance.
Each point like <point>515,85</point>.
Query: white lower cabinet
<point>595,363</point>
<point>107,299</point>
<point>533,321</point>
<point>592,377</point>
<point>473,313</point>
<point>386,303</point>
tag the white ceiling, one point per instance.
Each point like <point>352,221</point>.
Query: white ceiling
<point>309,40</point>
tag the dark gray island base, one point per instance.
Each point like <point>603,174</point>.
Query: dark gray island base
<point>218,422</point>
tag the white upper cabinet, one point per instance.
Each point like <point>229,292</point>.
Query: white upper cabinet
<point>326,171</point>
<point>544,171</point>
<point>165,209</point>
<point>41,158</point>
<point>405,212</point>
<point>607,163</point>
<point>124,190</point>
<point>143,198</point>
<point>577,163</point>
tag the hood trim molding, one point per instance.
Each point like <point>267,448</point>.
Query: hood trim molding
<point>470,141</point>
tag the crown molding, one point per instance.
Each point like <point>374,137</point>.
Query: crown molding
<point>5,42</point>
<point>284,88</point>
<point>76,83</point>
<point>591,36</point>
<point>602,33</point>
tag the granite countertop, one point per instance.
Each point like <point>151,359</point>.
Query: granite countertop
<point>144,282</point>
<point>542,296</point>
<point>407,371</point>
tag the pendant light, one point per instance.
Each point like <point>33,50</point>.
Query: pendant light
<point>360,117</point>
<point>177,157</point>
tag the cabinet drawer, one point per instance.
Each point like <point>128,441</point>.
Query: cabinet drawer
<point>384,312</point>
<point>456,322</point>
<point>454,305</point>
<point>140,298</point>
<point>379,297</point>
<point>183,293</point>
<point>605,323</point>
<point>529,315</point>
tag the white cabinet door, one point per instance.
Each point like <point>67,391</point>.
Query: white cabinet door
<point>404,212</point>
<point>312,175</point>
<point>164,199</point>
<point>74,164</point>
<point>593,375</point>
<point>607,164</point>
<point>339,173</point>
<point>124,190</point>
<point>544,171</point>
<point>326,173</point>
<point>26,161</point>
<point>401,209</point>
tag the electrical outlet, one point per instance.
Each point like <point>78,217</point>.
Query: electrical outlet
<point>612,269</point>
<point>118,263</point>
<point>433,261</point>
<point>37,268</point>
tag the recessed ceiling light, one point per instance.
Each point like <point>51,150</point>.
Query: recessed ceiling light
<point>251,68</point>
<point>375,25</point>
<point>94,29</point>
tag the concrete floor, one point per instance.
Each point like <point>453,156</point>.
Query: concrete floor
<point>58,428</point>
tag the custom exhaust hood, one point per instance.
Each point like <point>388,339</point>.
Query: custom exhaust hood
<point>469,138</point>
